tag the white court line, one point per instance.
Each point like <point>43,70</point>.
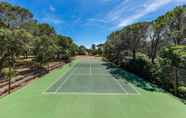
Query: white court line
<point>122,88</point>
<point>131,86</point>
<point>92,74</point>
<point>134,88</point>
<point>57,92</point>
<point>90,69</point>
<point>60,76</point>
<point>89,93</point>
<point>67,78</point>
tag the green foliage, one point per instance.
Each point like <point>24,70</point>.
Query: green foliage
<point>8,72</point>
<point>25,40</point>
<point>96,50</point>
<point>44,49</point>
<point>82,50</point>
<point>126,42</point>
<point>152,50</point>
<point>67,48</point>
<point>182,89</point>
<point>100,49</point>
<point>182,92</point>
<point>176,24</point>
<point>175,55</point>
<point>143,67</point>
<point>45,29</point>
<point>13,43</point>
<point>14,16</point>
<point>21,35</point>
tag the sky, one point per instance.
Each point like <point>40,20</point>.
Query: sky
<point>91,21</point>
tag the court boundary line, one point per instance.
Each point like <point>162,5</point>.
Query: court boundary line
<point>57,92</point>
<point>59,77</point>
<point>66,79</point>
<point>119,84</point>
<point>90,93</point>
<point>90,70</point>
<point>130,84</point>
<point>102,75</point>
<point>134,88</point>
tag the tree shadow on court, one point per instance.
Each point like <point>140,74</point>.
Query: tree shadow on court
<point>119,73</point>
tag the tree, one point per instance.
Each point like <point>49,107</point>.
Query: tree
<point>21,35</point>
<point>114,46</point>
<point>14,16</point>
<point>137,36</point>
<point>100,49</point>
<point>175,56</point>
<point>82,50</point>
<point>44,49</point>
<point>8,73</point>
<point>162,45</point>
<point>26,40</point>
<point>12,43</point>
<point>5,35</point>
<point>126,42</point>
<point>32,27</point>
<point>45,29</point>
<point>176,21</point>
<point>158,27</point>
<point>67,48</point>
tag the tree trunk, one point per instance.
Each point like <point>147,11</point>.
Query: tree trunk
<point>9,73</point>
<point>26,55</point>
<point>9,79</point>
<point>152,54</point>
<point>152,60</point>
<point>9,84</point>
<point>152,49</point>
<point>176,80</point>
<point>134,54</point>
<point>3,58</point>
<point>155,48</point>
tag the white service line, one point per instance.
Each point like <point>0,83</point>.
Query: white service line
<point>59,77</point>
<point>67,78</point>
<point>84,93</point>
<point>120,85</point>
<point>90,70</point>
<point>54,82</point>
<point>134,88</point>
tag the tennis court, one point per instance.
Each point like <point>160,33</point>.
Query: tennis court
<point>91,77</point>
<point>90,88</point>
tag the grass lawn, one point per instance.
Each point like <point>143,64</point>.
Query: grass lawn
<point>29,102</point>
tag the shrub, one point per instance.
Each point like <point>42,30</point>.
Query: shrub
<point>182,91</point>
<point>142,67</point>
<point>6,72</point>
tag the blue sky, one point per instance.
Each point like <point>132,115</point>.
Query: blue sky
<point>90,21</point>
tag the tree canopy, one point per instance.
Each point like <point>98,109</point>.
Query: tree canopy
<point>22,35</point>
<point>153,50</point>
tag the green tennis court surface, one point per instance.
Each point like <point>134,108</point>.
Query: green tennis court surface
<point>91,77</point>
<point>90,89</point>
